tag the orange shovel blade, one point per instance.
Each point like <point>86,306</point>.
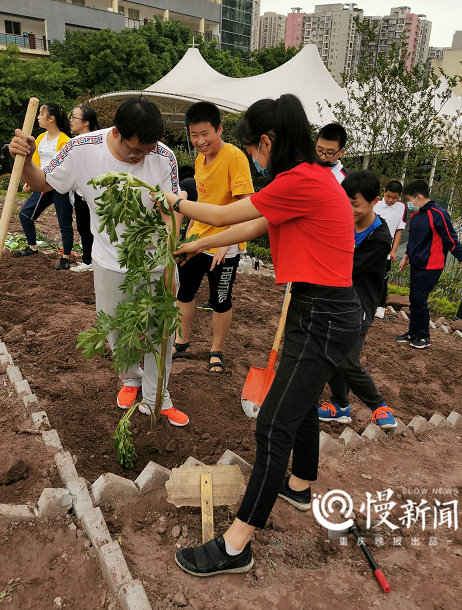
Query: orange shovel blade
<point>256,387</point>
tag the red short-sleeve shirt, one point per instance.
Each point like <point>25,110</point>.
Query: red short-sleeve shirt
<point>311,226</point>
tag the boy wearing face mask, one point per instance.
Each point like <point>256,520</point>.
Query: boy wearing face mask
<point>431,237</point>
<point>222,176</point>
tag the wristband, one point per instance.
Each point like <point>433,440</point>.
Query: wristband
<point>176,205</point>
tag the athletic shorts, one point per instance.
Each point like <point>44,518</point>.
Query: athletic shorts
<point>221,280</point>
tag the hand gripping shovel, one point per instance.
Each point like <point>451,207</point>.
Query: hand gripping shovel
<point>16,174</point>
<point>259,381</point>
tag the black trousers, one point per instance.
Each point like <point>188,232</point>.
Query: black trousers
<point>422,283</point>
<point>383,298</point>
<point>350,373</point>
<point>323,324</point>
<point>82,217</point>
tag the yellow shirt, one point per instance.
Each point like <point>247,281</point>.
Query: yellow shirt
<point>219,183</point>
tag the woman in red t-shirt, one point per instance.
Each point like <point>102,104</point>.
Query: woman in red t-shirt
<point>310,224</point>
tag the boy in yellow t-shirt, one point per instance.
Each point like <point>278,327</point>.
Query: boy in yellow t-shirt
<point>222,176</point>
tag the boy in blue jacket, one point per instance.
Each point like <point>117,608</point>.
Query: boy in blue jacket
<point>431,237</point>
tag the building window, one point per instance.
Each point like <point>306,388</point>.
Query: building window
<point>79,2</point>
<point>13,27</point>
<point>121,10</point>
<point>133,13</point>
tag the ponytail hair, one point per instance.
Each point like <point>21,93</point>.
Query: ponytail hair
<point>62,122</point>
<point>284,121</point>
<point>88,114</point>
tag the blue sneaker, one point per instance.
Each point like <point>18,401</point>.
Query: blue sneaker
<point>383,418</point>
<point>332,412</point>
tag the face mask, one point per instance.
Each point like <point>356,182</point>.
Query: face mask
<point>412,207</point>
<point>264,171</point>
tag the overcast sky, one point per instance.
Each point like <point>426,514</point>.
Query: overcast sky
<point>445,15</point>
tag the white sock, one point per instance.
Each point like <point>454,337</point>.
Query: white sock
<point>230,550</point>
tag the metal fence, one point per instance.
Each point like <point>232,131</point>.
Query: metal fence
<point>30,42</point>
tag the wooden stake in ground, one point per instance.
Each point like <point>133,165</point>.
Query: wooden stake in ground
<point>205,486</point>
<point>16,174</point>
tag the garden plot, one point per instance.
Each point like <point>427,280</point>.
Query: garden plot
<point>41,312</point>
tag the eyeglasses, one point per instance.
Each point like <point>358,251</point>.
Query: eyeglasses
<point>133,155</point>
<point>75,118</point>
<point>328,155</point>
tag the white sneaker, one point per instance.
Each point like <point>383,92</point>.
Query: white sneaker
<point>82,267</point>
<point>380,312</point>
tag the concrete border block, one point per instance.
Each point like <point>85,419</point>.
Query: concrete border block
<point>327,444</point>
<point>9,513</point>
<point>40,419</point>
<point>5,361</point>
<point>114,566</point>
<point>132,596</point>
<point>454,419</point>
<point>153,477</point>
<point>54,502</point>
<point>51,440</point>
<point>351,439</point>
<point>66,467</point>
<point>95,527</point>
<point>457,333</point>
<point>109,487</point>
<point>229,458</point>
<point>401,430</point>
<point>445,329</point>
<point>31,403</point>
<point>374,433</point>
<point>432,325</point>
<point>392,310</point>
<point>22,388</point>
<point>80,496</point>
<point>191,461</point>
<point>403,314</point>
<point>13,373</point>
<point>3,349</point>
<point>418,424</point>
<point>437,420</point>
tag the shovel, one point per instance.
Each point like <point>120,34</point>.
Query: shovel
<point>259,381</point>
<point>16,174</point>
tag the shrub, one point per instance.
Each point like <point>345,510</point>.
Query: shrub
<point>394,289</point>
<point>442,306</point>
<point>262,253</point>
<point>5,181</point>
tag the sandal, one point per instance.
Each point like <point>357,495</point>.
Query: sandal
<point>220,364</point>
<point>211,558</point>
<point>181,350</point>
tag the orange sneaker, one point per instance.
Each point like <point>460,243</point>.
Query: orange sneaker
<point>175,417</point>
<point>127,397</point>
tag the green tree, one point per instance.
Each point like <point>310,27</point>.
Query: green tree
<point>225,63</point>
<point>21,80</point>
<point>273,57</point>
<point>108,61</point>
<point>391,112</point>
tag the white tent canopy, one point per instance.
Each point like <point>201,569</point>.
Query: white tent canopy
<point>193,80</point>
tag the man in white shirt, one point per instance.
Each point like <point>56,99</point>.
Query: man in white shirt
<point>394,214</point>
<point>132,145</point>
<point>330,146</point>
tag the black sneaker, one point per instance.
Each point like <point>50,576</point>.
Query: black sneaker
<point>63,264</point>
<point>26,252</point>
<point>205,307</point>
<point>299,499</point>
<point>211,558</point>
<point>406,338</point>
<point>420,343</point>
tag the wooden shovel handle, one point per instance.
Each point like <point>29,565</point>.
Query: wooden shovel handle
<point>16,174</point>
<point>282,320</point>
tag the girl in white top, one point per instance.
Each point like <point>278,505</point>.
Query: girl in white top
<point>53,119</point>
<point>83,120</point>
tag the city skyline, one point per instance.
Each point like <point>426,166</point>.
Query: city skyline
<point>445,12</point>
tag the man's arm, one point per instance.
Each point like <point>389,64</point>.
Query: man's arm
<point>443,225</point>
<point>31,174</point>
<point>394,247</point>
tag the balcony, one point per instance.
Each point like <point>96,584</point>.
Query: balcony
<point>29,44</point>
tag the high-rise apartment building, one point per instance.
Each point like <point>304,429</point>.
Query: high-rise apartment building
<point>294,28</point>
<point>255,30</point>
<point>450,61</point>
<point>272,29</point>
<point>332,28</point>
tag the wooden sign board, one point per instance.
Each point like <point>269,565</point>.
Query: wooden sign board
<point>184,486</point>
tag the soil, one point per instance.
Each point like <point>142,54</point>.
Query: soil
<point>42,311</point>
